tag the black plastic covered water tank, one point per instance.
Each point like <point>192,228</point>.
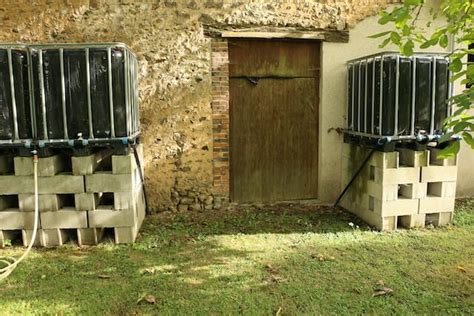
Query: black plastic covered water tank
<point>393,95</point>
<point>77,91</point>
<point>15,116</point>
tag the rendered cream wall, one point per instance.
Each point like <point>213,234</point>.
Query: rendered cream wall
<point>333,103</point>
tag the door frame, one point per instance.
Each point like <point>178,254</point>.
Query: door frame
<point>221,149</point>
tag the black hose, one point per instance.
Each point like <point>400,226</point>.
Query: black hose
<point>354,177</point>
<point>139,165</point>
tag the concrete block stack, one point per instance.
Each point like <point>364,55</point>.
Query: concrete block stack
<point>403,188</point>
<point>79,198</point>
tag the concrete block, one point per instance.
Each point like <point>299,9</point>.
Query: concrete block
<point>410,221</point>
<point>86,201</point>
<point>47,166</point>
<point>382,192</point>
<point>125,164</point>
<point>89,236</point>
<point>8,236</point>
<point>413,190</point>
<point>128,200</point>
<point>8,201</point>
<point>23,166</point>
<point>108,182</point>
<point>389,223</point>
<point>50,166</point>
<point>11,219</point>
<point>439,173</point>
<point>6,165</point>
<point>384,160</point>
<point>67,218</point>
<point>125,235</point>
<point>442,189</point>
<point>396,208</point>
<point>441,162</point>
<point>129,234</point>
<point>53,237</point>
<point>83,165</point>
<point>112,218</point>
<point>27,234</point>
<point>412,158</point>
<point>46,202</point>
<point>397,176</point>
<point>436,205</point>
<point>61,184</point>
<point>439,219</point>
<point>141,207</point>
<point>16,184</point>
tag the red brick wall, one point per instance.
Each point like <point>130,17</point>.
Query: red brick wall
<point>220,116</point>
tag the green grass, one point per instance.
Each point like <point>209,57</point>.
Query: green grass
<point>289,259</point>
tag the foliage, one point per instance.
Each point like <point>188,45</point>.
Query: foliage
<point>457,17</point>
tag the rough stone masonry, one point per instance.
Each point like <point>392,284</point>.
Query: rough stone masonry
<point>174,68</point>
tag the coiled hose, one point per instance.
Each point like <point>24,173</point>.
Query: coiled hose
<point>9,263</point>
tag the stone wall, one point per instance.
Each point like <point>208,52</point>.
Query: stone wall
<point>174,68</point>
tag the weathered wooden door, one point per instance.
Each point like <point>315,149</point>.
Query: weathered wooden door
<point>274,91</point>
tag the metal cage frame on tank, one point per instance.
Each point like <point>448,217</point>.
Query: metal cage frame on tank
<point>61,119</point>
<point>12,91</point>
<point>372,125</point>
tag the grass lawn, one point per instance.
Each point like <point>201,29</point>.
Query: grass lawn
<point>273,260</point>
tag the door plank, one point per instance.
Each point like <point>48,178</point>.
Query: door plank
<point>270,58</point>
<point>274,139</point>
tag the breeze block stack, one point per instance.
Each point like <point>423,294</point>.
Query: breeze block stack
<point>402,188</point>
<point>80,197</point>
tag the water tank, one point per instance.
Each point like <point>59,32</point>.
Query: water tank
<point>15,116</point>
<point>397,96</point>
<point>54,94</point>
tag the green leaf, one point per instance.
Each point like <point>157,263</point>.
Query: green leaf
<point>385,18</point>
<point>395,37</point>
<point>385,42</point>
<point>459,127</point>
<point>407,48</point>
<point>443,41</point>
<point>406,30</point>
<point>455,65</point>
<point>449,151</point>
<point>379,34</point>
<point>468,139</point>
<point>457,76</point>
<point>445,137</point>
<point>458,111</point>
<point>428,43</point>
<point>436,35</point>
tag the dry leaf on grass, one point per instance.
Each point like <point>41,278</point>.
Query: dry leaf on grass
<point>322,257</point>
<point>271,269</point>
<point>381,290</point>
<point>461,269</point>
<point>149,271</point>
<point>150,299</point>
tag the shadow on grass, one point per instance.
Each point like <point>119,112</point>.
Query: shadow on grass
<point>281,218</point>
<point>257,261</point>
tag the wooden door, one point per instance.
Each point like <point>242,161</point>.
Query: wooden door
<point>274,91</point>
